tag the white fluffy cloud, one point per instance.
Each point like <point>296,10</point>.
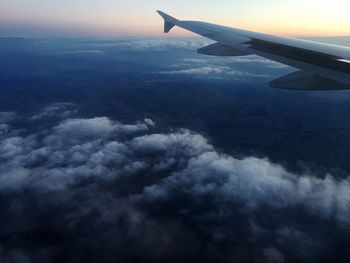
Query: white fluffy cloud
<point>79,148</point>
<point>73,149</point>
<point>255,183</point>
<point>108,175</point>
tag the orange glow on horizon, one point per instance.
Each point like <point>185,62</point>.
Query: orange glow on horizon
<point>312,18</point>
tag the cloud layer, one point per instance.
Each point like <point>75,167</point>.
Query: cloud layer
<point>216,71</point>
<point>225,68</point>
<point>160,44</point>
<point>96,190</point>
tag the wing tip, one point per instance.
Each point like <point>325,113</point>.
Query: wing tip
<point>169,21</point>
<point>160,12</point>
<point>163,14</point>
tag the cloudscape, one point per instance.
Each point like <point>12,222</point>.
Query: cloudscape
<point>121,145</point>
<point>81,182</point>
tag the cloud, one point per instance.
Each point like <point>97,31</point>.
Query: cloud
<point>204,71</point>
<point>99,185</point>
<point>149,122</point>
<point>6,117</point>
<point>98,127</point>
<point>88,52</point>
<point>193,60</point>
<point>227,67</point>
<point>215,71</point>
<point>94,127</point>
<point>141,44</point>
<point>254,59</point>
<point>256,183</point>
<point>230,61</point>
<point>250,59</point>
<point>4,129</point>
<point>56,110</point>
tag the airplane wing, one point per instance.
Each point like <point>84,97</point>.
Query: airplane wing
<point>321,66</point>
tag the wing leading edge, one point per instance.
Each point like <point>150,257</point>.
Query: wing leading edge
<point>322,66</point>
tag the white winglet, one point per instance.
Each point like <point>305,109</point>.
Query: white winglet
<point>169,21</point>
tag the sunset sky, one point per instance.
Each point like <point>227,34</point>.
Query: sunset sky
<point>138,17</point>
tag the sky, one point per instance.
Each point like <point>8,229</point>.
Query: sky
<point>138,17</point>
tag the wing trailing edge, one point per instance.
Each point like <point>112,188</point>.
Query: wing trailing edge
<point>302,80</point>
<point>218,49</point>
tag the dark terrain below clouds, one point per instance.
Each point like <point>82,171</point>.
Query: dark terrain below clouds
<point>76,189</point>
